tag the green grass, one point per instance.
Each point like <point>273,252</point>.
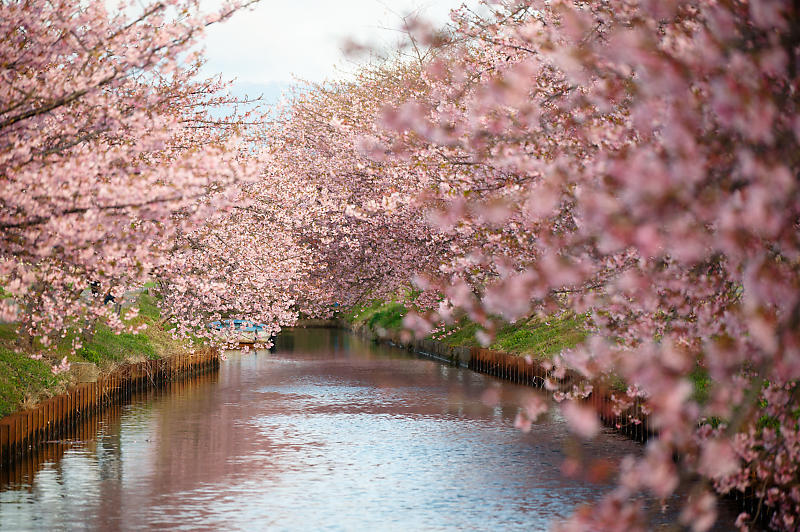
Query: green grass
<point>8,331</point>
<point>462,334</point>
<point>22,378</point>
<point>105,346</point>
<point>148,308</point>
<point>388,315</point>
<point>701,384</point>
<point>539,339</point>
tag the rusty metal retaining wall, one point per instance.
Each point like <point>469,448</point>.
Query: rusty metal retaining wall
<point>23,431</point>
<point>632,421</point>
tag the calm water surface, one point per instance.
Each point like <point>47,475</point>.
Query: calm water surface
<point>327,433</point>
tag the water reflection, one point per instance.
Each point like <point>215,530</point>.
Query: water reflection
<point>327,432</point>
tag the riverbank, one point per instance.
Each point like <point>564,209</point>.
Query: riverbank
<point>536,337</point>
<point>38,405</point>
<point>23,431</point>
<point>26,381</point>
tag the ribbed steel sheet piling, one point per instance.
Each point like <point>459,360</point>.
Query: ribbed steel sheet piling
<point>5,430</point>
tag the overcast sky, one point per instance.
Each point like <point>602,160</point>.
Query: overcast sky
<point>265,46</point>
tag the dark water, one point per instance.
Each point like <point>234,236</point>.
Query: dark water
<point>327,433</point>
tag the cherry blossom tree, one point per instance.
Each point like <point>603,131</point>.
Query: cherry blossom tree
<point>110,147</point>
<point>244,262</point>
<point>355,212</point>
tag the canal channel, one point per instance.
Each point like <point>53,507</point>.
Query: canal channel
<point>327,432</point>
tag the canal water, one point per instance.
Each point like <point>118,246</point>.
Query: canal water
<point>328,432</point>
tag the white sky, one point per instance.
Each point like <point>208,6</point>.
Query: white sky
<point>265,46</point>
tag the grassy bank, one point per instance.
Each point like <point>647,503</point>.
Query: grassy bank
<point>538,338</point>
<point>24,381</point>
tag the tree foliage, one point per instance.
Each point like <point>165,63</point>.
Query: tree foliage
<point>634,161</point>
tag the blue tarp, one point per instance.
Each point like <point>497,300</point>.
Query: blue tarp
<point>237,325</point>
